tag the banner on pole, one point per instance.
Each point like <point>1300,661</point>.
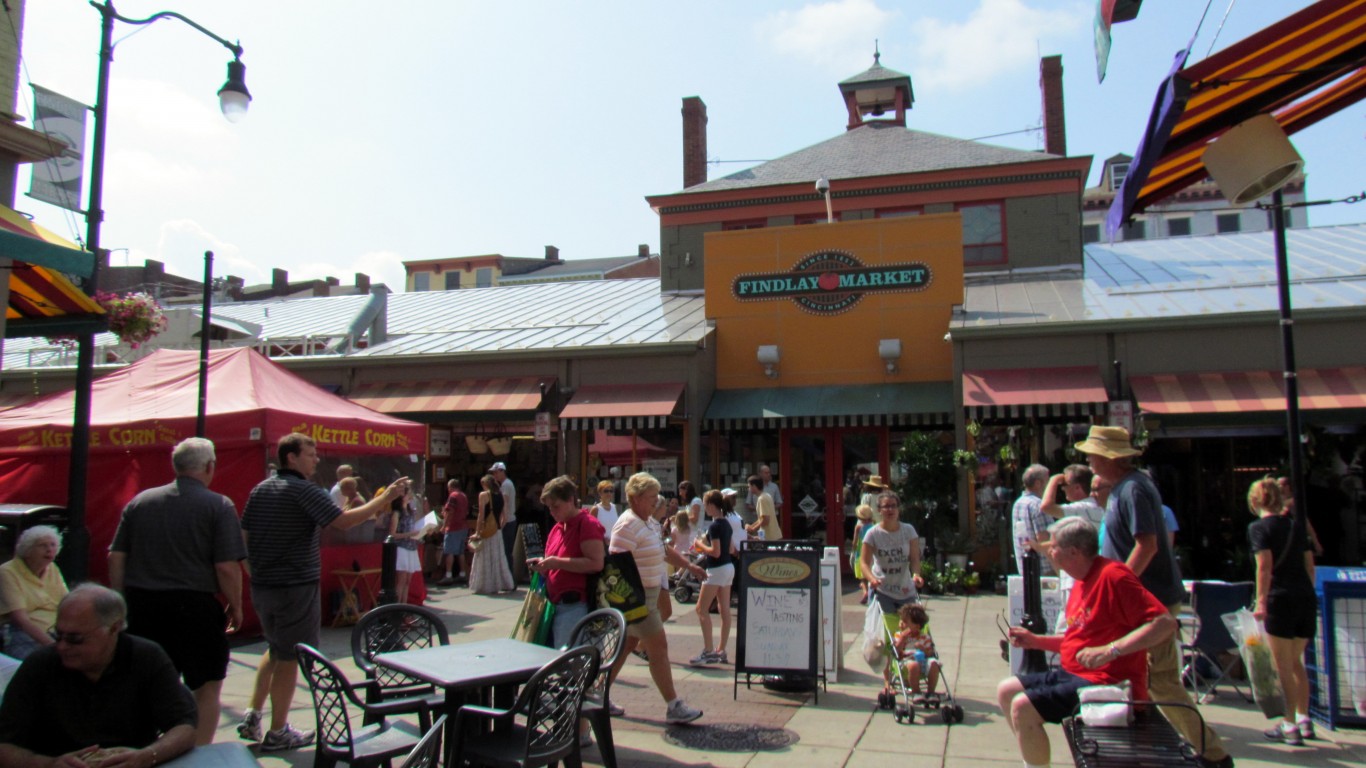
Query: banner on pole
<point>58,181</point>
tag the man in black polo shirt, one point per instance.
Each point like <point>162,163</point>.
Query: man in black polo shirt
<point>93,689</point>
<point>281,524</point>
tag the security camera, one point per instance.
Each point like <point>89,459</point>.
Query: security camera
<point>822,185</point>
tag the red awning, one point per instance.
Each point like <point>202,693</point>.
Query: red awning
<point>621,406</point>
<point>42,301</point>
<point>1033,391</point>
<point>1300,69</point>
<point>509,394</point>
<point>1239,391</point>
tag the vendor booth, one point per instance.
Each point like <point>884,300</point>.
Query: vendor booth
<point>140,412</point>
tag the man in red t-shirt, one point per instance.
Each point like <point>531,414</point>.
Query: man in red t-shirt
<point>456,525</point>
<point>1110,617</point>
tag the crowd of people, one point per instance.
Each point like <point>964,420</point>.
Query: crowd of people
<point>178,556</point>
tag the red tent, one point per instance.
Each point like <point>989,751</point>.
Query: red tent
<point>139,412</point>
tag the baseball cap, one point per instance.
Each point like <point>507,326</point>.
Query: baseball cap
<point>497,465</point>
<point>728,492</point>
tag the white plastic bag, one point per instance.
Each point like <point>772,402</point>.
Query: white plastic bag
<point>1106,705</point>
<point>1257,659</point>
<point>874,636</point>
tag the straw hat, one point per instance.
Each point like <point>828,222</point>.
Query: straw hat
<point>864,512</point>
<point>876,482</point>
<point>1110,442</point>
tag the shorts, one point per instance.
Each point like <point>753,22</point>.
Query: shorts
<point>1291,616</point>
<point>190,626</point>
<point>407,561</point>
<point>652,624</point>
<point>1054,693</point>
<point>289,616</point>
<point>919,658</point>
<point>891,605</point>
<point>454,543</point>
<point>567,615</point>
<point>720,576</point>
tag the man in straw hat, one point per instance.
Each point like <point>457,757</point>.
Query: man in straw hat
<point>1136,535</point>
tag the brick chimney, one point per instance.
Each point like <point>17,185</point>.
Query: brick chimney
<point>279,282</point>
<point>235,285</point>
<point>552,253</point>
<point>643,250</point>
<point>694,141</point>
<point>1054,123</point>
<point>362,282</point>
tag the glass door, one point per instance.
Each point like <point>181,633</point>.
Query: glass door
<point>804,484</point>
<point>821,480</point>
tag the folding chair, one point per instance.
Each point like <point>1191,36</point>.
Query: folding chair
<point>1203,670</point>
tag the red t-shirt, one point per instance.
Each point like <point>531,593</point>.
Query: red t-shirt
<point>1106,605</point>
<point>457,510</point>
<point>565,540</point>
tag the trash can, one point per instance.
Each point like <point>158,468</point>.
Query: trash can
<point>1337,658</point>
<point>17,518</point>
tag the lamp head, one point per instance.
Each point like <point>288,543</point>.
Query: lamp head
<point>234,97</point>
<point>822,185</point>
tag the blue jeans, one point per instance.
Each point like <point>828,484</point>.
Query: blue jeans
<point>566,616</point>
<point>19,645</point>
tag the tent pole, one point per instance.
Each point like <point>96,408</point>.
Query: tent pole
<point>199,425</point>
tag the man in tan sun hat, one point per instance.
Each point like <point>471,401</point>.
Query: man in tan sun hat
<point>1135,534</point>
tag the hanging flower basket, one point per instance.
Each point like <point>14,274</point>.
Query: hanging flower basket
<point>135,318</point>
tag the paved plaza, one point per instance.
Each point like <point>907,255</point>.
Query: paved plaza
<point>844,729</point>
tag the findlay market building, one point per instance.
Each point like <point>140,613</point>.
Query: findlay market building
<point>952,296</point>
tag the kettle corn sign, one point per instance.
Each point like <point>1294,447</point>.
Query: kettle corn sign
<point>830,282</point>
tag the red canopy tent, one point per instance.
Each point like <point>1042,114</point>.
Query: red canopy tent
<point>139,412</point>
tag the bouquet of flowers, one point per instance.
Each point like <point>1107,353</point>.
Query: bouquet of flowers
<point>1261,668</point>
<point>134,317</point>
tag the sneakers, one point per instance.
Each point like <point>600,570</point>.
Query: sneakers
<point>446,581</point>
<point>718,657</point>
<point>1290,736</point>
<point>680,713</point>
<point>288,737</point>
<point>614,710</point>
<point>1306,729</point>
<point>250,728</point>
<point>704,657</point>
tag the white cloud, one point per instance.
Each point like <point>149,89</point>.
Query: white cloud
<point>836,34</point>
<point>999,36</point>
<point>181,244</point>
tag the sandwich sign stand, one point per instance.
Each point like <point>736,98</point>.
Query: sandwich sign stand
<point>778,634</point>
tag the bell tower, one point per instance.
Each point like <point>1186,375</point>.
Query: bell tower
<point>875,92</point>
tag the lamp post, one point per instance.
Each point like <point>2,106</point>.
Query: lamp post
<point>233,100</point>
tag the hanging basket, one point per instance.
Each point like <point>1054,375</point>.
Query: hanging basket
<point>477,442</point>
<point>500,441</point>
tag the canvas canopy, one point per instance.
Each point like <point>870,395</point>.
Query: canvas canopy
<point>140,412</point>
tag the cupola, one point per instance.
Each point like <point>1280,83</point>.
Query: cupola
<point>876,92</point>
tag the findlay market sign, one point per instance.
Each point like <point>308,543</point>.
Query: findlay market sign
<point>830,282</point>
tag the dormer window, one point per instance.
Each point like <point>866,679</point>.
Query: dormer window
<point>1117,173</point>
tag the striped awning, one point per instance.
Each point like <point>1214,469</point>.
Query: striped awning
<point>1242,391</point>
<point>1039,392</point>
<point>42,300</point>
<point>1300,70</point>
<point>927,404</point>
<point>622,406</point>
<point>476,395</point>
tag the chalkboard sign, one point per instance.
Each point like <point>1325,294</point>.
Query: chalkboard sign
<point>778,633</point>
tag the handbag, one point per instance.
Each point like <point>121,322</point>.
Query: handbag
<point>1106,705</point>
<point>619,587</point>
<point>537,616</point>
<point>477,442</point>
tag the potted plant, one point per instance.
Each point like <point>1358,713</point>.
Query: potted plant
<point>972,582</point>
<point>957,547</point>
<point>953,577</point>
<point>932,583</point>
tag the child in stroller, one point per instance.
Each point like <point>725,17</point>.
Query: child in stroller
<point>912,657</point>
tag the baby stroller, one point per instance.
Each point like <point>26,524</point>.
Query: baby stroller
<point>950,711</point>
<point>683,584</point>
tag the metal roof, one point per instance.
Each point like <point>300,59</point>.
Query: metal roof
<point>573,269</point>
<point>1181,277</point>
<point>872,149</point>
<point>286,318</point>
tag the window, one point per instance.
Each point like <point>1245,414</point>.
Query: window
<point>1136,230</point>
<point>1228,222</point>
<point>811,218</point>
<point>983,241</point>
<point>483,277</point>
<point>731,226</point>
<point>422,281</point>
<point>896,213</point>
<point>1179,227</point>
<point>453,280</point>
<point>1090,233</point>
<point>1117,173</point>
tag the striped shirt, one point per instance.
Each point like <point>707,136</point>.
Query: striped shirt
<point>642,539</point>
<point>282,518</point>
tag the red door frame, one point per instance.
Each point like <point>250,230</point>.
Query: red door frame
<point>834,476</point>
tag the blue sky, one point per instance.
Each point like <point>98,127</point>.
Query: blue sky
<point>419,129</point>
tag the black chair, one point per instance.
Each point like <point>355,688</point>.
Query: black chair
<point>542,725</point>
<point>604,629</point>
<point>1203,670</point>
<point>427,753</point>
<point>396,627</point>
<point>373,744</point>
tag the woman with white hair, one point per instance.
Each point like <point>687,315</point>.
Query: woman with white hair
<point>31,586</point>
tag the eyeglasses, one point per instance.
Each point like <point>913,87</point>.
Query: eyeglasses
<point>891,507</point>
<point>70,638</point>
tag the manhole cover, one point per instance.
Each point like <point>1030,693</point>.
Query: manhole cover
<point>730,737</point>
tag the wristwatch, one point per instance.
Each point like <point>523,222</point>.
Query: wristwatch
<point>1114,651</point>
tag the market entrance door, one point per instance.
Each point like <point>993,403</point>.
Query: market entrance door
<point>820,480</point>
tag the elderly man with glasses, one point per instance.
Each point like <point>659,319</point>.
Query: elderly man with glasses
<point>95,693</point>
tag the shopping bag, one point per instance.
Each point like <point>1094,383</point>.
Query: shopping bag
<point>874,638</point>
<point>533,623</point>
<point>1106,705</point>
<point>1261,667</point>
<point>619,587</point>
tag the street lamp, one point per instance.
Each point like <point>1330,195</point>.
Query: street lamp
<point>233,99</point>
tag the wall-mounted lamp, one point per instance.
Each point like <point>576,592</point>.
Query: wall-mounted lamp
<point>823,188</point>
<point>890,351</point>
<point>768,358</point>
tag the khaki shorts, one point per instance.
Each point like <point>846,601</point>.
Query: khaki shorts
<point>652,624</point>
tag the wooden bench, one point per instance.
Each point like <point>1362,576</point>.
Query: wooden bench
<point>1148,741</point>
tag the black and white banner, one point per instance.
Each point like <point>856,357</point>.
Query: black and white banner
<point>58,181</point>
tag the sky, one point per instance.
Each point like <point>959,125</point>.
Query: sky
<point>423,129</point>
